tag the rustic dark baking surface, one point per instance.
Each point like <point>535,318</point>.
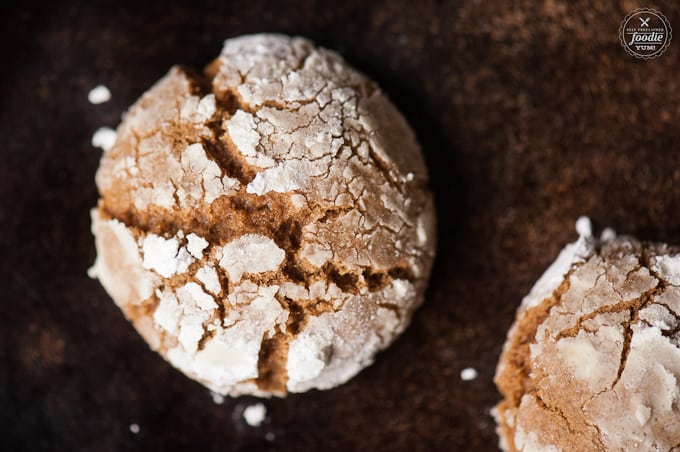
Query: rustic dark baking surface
<point>530,114</point>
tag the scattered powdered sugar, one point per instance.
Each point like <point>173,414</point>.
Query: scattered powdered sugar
<point>468,374</point>
<point>99,94</point>
<point>217,398</point>
<point>255,414</point>
<point>584,227</point>
<point>104,138</point>
<point>134,428</point>
<point>607,234</point>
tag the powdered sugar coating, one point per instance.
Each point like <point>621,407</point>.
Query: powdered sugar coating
<point>282,229</point>
<point>595,364</point>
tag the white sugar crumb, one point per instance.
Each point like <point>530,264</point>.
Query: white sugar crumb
<point>252,253</point>
<point>255,414</point>
<point>168,312</point>
<point>607,234</point>
<point>208,276</point>
<point>99,94</point>
<point>307,357</point>
<point>584,227</point>
<point>104,138</point>
<point>193,292</point>
<point>217,398</point>
<point>196,245</point>
<point>206,107</point>
<point>165,256</point>
<point>134,428</point>
<point>669,268</point>
<point>468,374</point>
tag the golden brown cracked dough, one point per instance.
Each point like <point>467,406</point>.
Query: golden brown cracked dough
<point>593,359</point>
<point>266,226</point>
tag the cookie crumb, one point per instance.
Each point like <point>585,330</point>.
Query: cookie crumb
<point>134,428</point>
<point>99,94</point>
<point>104,138</point>
<point>468,374</point>
<point>255,414</point>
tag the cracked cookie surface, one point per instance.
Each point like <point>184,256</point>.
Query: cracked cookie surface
<point>265,225</point>
<point>593,359</point>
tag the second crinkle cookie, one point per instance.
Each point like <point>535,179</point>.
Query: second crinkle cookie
<point>593,359</point>
<point>266,226</point>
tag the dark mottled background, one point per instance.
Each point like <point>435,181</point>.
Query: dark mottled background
<point>529,112</point>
